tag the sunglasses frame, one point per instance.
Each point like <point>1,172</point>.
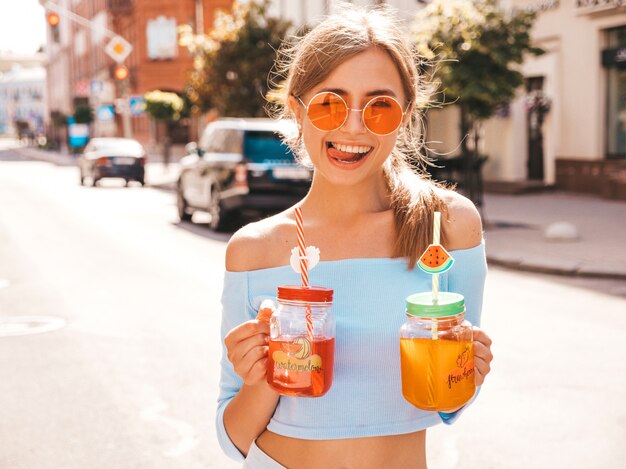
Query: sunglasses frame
<point>349,110</point>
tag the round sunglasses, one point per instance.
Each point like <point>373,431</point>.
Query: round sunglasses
<point>381,115</point>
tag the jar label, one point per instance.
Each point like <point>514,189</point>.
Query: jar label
<point>296,356</point>
<point>464,368</point>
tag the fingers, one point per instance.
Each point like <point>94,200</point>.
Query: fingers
<point>480,336</point>
<point>246,349</point>
<point>244,331</point>
<point>257,372</point>
<point>481,370</point>
<point>252,366</point>
<point>241,349</point>
<point>482,352</point>
<point>482,355</point>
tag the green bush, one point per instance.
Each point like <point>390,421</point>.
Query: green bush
<point>164,106</point>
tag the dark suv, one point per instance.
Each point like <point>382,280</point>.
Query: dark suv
<point>240,165</point>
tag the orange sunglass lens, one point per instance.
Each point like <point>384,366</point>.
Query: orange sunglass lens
<point>327,111</point>
<point>382,115</point>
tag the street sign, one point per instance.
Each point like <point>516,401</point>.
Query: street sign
<point>97,87</point>
<point>105,113</point>
<point>121,105</point>
<point>137,105</point>
<point>78,135</point>
<point>118,49</point>
<point>81,88</point>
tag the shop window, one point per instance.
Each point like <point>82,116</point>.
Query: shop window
<point>614,59</point>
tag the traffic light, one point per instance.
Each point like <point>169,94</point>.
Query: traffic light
<point>120,73</point>
<point>54,20</point>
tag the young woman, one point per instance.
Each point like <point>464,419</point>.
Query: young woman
<point>371,217</point>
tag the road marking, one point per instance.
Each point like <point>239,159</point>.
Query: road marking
<point>27,325</point>
<point>186,434</point>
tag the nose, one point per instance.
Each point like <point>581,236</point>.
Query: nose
<point>354,122</point>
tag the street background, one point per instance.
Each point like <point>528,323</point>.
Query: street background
<point>110,304</point>
<point>126,374</point>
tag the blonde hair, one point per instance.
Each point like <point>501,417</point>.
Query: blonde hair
<point>306,61</point>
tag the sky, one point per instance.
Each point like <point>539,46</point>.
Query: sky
<point>22,26</point>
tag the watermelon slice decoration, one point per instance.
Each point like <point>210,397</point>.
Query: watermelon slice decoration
<point>435,260</point>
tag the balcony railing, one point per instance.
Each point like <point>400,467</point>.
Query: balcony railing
<point>120,6</point>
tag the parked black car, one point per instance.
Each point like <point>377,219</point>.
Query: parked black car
<point>113,158</point>
<point>239,166</point>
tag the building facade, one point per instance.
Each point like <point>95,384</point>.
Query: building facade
<point>567,126</point>
<point>22,101</point>
<point>82,73</point>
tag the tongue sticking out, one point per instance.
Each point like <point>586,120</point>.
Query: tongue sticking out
<point>342,155</point>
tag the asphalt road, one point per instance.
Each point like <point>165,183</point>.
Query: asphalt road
<point>109,343</point>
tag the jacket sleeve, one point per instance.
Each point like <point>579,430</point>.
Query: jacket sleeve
<point>467,277</point>
<point>236,309</point>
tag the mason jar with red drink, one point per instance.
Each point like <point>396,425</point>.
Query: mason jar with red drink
<point>302,341</point>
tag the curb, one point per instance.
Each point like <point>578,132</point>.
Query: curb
<point>543,269</point>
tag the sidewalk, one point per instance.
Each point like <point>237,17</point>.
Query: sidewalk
<point>514,226</point>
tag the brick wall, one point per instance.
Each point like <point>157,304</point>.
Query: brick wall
<point>606,178</point>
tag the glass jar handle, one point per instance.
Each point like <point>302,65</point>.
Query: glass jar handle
<point>266,310</point>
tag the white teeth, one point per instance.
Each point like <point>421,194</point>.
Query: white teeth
<point>351,148</point>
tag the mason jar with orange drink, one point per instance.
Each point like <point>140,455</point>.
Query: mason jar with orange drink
<point>437,352</point>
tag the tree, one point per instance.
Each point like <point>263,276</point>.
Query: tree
<point>232,62</point>
<point>476,49</point>
<point>163,105</point>
<point>83,114</point>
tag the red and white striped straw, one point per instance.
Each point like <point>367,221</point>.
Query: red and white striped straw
<point>304,267</point>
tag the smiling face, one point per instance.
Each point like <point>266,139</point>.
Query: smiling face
<point>351,153</point>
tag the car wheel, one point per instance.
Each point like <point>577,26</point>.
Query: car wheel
<point>82,179</point>
<point>94,182</point>
<point>142,182</point>
<point>219,219</point>
<point>181,205</point>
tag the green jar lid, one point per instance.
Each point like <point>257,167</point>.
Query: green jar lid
<point>421,304</point>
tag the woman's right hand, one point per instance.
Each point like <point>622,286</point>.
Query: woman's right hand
<point>247,349</point>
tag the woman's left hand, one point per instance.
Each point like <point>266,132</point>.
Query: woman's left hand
<point>482,355</point>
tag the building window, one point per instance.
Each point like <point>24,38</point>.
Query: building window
<point>614,58</point>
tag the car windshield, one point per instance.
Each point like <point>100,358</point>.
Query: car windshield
<point>113,145</point>
<point>261,147</point>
